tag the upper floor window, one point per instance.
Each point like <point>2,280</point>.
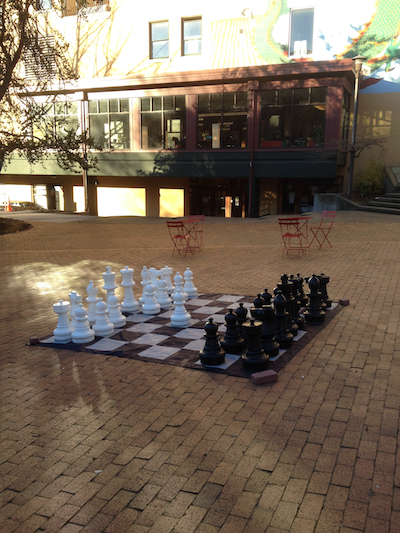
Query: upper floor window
<point>292,117</point>
<point>191,36</point>
<point>301,32</point>
<point>40,58</point>
<point>109,123</point>
<point>222,120</point>
<point>87,7</point>
<point>163,122</point>
<point>57,118</point>
<point>159,40</point>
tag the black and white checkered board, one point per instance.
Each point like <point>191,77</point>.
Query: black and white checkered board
<point>152,338</point>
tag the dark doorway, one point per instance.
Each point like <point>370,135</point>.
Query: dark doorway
<point>218,198</point>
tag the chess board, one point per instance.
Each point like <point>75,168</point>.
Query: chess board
<point>152,338</point>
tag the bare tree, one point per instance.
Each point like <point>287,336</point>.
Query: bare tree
<point>33,59</point>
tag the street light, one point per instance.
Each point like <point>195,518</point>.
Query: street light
<point>357,68</point>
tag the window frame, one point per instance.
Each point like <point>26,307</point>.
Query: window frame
<point>111,145</point>
<point>291,49</point>
<point>183,40</point>
<point>151,41</point>
<point>166,114</point>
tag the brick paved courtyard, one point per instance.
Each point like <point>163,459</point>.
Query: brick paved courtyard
<point>92,443</point>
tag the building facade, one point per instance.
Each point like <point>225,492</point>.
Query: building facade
<point>231,110</point>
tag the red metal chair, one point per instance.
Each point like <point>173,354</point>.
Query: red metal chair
<point>195,225</point>
<point>321,232</point>
<point>180,237</point>
<point>294,234</point>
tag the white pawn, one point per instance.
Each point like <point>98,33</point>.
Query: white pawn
<point>75,300</point>
<point>114,312</point>
<point>167,273</point>
<point>150,305</point>
<point>130,304</point>
<point>64,330</point>
<point>109,281</point>
<point>82,332</point>
<point>145,281</point>
<point>103,326</point>
<point>189,285</point>
<point>92,300</point>
<point>162,295</point>
<point>180,317</point>
<point>178,280</point>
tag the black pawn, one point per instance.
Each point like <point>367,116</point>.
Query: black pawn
<point>212,353</point>
<point>259,301</point>
<point>232,342</point>
<point>255,358</point>
<point>283,335</point>
<point>301,296</point>
<point>314,313</point>
<point>241,313</point>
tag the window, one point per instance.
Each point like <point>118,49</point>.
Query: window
<point>292,117</point>
<point>159,43</point>
<point>163,120</point>
<point>109,123</point>
<point>222,120</point>
<point>42,5</point>
<point>191,36</point>
<point>58,118</point>
<point>301,32</point>
<point>40,58</point>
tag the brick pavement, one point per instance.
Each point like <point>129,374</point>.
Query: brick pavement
<point>91,443</point>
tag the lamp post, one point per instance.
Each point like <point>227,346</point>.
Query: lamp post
<point>357,66</point>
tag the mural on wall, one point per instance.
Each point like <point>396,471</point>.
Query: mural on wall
<point>325,31</point>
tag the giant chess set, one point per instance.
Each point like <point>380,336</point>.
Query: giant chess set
<point>173,323</point>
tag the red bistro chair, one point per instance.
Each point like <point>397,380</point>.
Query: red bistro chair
<point>321,232</point>
<point>195,224</point>
<point>180,236</point>
<point>294,234</point>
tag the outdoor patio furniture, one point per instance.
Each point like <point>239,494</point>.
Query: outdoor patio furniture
<point>180,235</point>
<point>321,231</point>
<point>294,231</point>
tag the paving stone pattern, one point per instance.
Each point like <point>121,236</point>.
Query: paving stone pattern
<point>91,443</point>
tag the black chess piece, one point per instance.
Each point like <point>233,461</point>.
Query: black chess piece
<point>323,282</point>
<point>266,315</point>
<point>283,335</point>
<point>255,358</point>
<point>267,297</point>
<point>259,301</point>
<point>302,297</point>
<point>212,353</point>
<point>286,287</point>
<point>314,314</point>
<point>298,319</point>
<point>241,313</point>
<point>232,342</point>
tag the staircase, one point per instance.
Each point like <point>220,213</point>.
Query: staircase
<point>389,203</point>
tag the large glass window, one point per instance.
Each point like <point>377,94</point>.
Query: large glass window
<point>292,117</point>
<point>222,120</point>
<point>159,40</point>
<point>163,120</point>
<point>60,118</point>
<point>301,32</point>
<point>191,36</point>
<point>109,123</point>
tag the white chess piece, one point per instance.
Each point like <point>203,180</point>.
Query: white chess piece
<point>92,300</point>
<point>154,275</point>
<point>167,273</point>
<point>178,280</point>
<point>82,332</point>
<point>75,300</point>
<point>109,281</point>
<point>189,285</point>
<point>145,274</point>
<point>130,304</point>
<point>103,326</point>
<point>64,329</point>
<point>162,296</point>
<point>180,317</point>
<point>114,312</point>
<point>150,305</point>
